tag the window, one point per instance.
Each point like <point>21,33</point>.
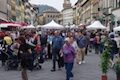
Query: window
<point>13,8</point>
<point>18,2</point>
<point>117,4</point>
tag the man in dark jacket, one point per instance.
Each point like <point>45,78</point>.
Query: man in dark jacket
<point>113,47</point>
<point>57,44</point>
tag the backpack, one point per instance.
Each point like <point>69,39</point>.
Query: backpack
<point>113,46</point>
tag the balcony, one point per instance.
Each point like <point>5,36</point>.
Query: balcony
<point>83,2</point>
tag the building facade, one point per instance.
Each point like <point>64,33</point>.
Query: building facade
<point>67,16</point>
<point>66,4</point>
<point>17,11</point>
<point>95,8</point>
<point>107,11</point>
<point>31,12</point>
<point>60,19</point>
<point>50,15</point>
<point>47,14</point>
<point>116,12</point>
<point>20,10</point>
<point>67,13</point>
<point>85,13</point>
<point>3,10</point>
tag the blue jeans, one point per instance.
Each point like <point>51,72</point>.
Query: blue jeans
<point>69,67</point>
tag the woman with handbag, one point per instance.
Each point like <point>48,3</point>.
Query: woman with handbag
<point>24,55</point>
<point>68,53</point>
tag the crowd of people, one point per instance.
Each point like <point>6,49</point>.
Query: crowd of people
<point>28,47</point>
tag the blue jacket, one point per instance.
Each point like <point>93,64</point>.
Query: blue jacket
<point>82,42</point>
<point>57,42</point>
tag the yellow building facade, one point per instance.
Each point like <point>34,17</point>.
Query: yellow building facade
<point>13,10</point>
<point>86,10</point>
<point>17,10</point>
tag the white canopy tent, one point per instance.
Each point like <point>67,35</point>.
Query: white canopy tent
<point>52,25</point>
<point>116,29</point>
<point>67,26</point>
<point>38,26</point>
<point>28,27</point>
<point>96,25</point>
<point>73,26</point>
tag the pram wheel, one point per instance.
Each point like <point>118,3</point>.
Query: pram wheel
<point>37,67</point>
<point>11,65</point>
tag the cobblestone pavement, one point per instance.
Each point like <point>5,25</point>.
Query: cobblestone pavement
<point>88,71</point>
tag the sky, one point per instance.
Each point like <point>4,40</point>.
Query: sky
<point>58,4</point>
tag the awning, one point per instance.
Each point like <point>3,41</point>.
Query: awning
<point>12,24</point>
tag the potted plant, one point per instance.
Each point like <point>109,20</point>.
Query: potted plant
<point>105,56</point>
<point>117,69</point>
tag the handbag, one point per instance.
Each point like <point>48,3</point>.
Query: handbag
<point>62,61</point>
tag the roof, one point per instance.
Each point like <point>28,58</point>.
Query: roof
<point>46,8</point>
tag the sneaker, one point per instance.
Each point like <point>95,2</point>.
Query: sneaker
<point>80,62</point>
<point>83,61</point>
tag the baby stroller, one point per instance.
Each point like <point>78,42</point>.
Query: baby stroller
<point>12,61</point>
<point>36,63</point>
<point>39,59</point>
